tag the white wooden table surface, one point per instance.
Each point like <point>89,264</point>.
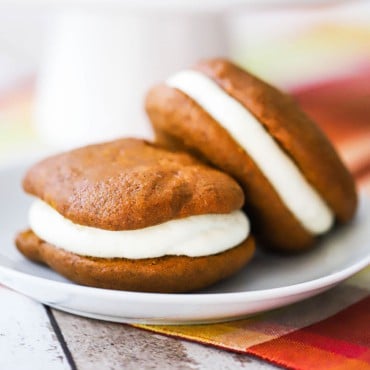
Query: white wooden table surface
<point>33,336</point>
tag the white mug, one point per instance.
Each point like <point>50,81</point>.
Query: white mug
<point>99,65</point>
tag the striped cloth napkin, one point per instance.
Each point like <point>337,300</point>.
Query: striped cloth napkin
<point>330,331</point>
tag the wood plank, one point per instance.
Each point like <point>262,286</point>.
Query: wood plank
<point>27,339</point>
<point>97,345</point>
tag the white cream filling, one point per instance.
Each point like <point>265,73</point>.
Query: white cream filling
<point>282,173</point>
<point>193,236</point>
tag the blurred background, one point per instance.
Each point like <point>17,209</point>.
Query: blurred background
<point>76,72</point>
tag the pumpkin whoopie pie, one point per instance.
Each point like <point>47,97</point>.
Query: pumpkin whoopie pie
<point>129,215</point>
<point>296,187</point>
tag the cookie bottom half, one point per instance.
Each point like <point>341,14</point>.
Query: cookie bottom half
<point>168,274</point>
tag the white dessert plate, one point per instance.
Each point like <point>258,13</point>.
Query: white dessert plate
<point>268,282</point>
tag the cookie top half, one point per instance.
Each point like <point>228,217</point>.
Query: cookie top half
<point>130,184</point>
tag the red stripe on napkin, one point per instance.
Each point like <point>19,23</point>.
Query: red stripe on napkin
<point>339,342</point>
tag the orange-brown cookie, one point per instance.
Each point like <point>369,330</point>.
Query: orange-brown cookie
<point>130,215</point>
<point>130,184</point>
<point>164,274</point>
<point>295,185</point>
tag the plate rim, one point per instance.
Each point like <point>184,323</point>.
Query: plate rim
<point>210,298</point>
